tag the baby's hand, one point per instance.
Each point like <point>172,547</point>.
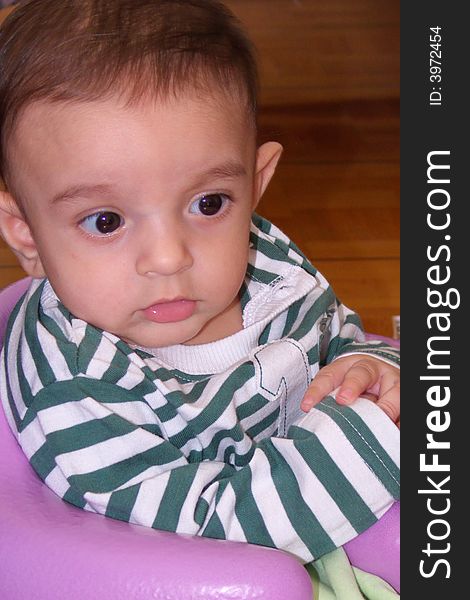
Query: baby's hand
<point>357,375</point>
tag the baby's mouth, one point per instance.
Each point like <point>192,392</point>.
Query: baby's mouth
<point>170,311</point>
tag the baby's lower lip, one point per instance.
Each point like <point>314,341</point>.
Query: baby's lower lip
<point>170,312</point>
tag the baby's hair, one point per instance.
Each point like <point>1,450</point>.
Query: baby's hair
<point>85,50</point>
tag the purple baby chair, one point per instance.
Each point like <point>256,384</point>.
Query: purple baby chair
<point>50,550</point>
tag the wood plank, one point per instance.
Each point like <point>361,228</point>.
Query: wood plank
<point>342,234</point>
<point>268,15</point>
<point>7,258</point>
<point>343,132</point>
<point>370,287</point>
<point>314,50</point>
<point>350,64</point>
<point>334,186</point>
<point>10,275</point>
<point>335,210</point>
<point>10,269</point>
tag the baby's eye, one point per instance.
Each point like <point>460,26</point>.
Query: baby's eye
<point>102,223</point>
<point>209,204</point>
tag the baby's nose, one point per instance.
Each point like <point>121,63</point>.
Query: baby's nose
<point>164,252</point>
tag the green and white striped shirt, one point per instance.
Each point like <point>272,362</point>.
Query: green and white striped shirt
<point>208,440</point>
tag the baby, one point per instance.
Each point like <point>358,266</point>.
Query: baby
<point>164,366</point>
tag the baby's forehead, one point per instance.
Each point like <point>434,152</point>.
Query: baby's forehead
<point>213,100</point>
<point>58,145</point>
<point>203,110</point>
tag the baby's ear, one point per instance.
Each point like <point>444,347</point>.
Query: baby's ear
<point>17,234</point>
<point>267,157</point>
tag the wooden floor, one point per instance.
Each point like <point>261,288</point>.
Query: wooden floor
<point>330,95</point>
<point>336,193</point>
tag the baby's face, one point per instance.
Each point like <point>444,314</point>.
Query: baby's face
<point>141,215</point>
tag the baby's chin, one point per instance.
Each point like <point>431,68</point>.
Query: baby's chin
<point>161,340</point>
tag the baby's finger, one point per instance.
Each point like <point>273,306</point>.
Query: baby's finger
<point>369,396</point>
<point>389,397</point>
<point>326,380</point>
<point>360,377</point>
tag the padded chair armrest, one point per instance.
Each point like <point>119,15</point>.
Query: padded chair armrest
<point>50,550</point>
<point>377,550</point>
<point>84,557</point>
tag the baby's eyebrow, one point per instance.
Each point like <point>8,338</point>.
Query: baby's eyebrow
<point>227,170</point>
<point>83,191</point>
